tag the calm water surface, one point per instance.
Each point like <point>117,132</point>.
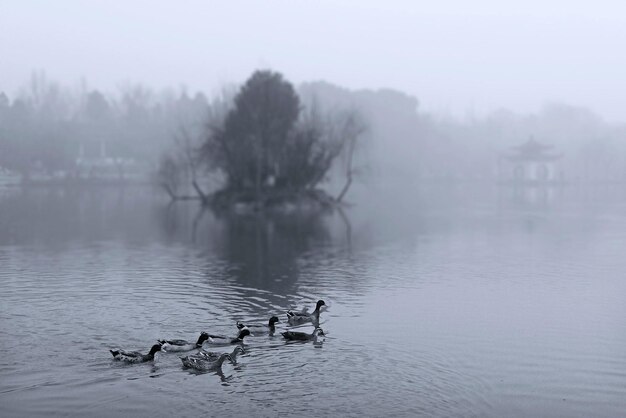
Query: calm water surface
<point>485,303</point>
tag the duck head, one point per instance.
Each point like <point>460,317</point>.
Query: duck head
<point>319,304</point>
<point>273,320</point>
<point>203,337</point>
<point>238,350</point>
<point>244,332</point>
<point>233,356</point>
<point>154,349</point>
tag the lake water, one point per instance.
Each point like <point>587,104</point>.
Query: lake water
<point>484,302</point>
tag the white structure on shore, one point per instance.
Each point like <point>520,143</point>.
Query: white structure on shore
<point>531,163</point>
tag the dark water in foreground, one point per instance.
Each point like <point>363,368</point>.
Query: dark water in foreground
<point>478,303</point>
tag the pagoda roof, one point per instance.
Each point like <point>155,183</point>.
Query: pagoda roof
<point>532,150</point>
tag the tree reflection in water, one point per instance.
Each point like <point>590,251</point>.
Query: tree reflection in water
<point>260,250</point>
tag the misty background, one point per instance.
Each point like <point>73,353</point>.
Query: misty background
<point>446,90</point>
<point>52,130</point>
<point>474,268</point>
<point>454,58</point>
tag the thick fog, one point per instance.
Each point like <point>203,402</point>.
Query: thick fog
<point>446,93</point>
<point>456,58</point>
<point>428,195</point>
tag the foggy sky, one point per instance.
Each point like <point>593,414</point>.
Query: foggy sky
<point>454,56</point>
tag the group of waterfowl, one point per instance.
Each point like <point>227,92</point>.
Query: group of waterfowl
<point>204,360</point>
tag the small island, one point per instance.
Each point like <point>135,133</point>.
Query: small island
<point>272,152</point>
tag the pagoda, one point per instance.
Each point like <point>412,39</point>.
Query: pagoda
<point>532,163</point>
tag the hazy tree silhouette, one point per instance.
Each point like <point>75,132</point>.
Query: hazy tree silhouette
<point>269,149</point>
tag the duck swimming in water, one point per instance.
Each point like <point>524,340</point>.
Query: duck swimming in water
<point>135,356</point>
<point>223,340</point>
<point>302,336</point>
<point>183,345</point>
<point>268,328</point>
<point>203,364</point>
<point>209,355</point>
<point>296,318</point>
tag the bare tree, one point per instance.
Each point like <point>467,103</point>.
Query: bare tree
<point>352,127</point>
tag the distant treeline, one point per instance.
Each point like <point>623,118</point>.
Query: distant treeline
<point>406,144</point>
<point>48,129</point>
<point>58,131</point>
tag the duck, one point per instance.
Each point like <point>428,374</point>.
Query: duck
<point>183,345</point>
<point>203,364</point>
<point>302,336</point>
<point>135,356</point>
<point>296,318</point>
<point>223,340</point>
<point>270,327</point>
<point>209,355</point>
